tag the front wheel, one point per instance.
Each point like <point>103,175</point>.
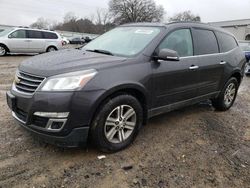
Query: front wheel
<point>117,123</point>
<point>3,50</point>
<point>227,96</point>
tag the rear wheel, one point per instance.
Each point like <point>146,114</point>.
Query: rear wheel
<point>117,123</point>
<point>227,96</point>
<point>51,49</point>
<point>3,50</point>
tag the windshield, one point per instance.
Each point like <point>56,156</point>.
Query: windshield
<point>245,46</point>
<point>124,41</point>
<point>4,32</point>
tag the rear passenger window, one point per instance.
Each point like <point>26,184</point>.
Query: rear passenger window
<point>205,42</point>
<point>20,34</point>
<point>226,42</point>
<point>49,35</point>
<point>35,34</point>
<point>179,41</point>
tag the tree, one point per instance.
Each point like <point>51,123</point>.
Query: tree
<point>41,23</point>
<point>103,20</point>
<point>185,16</point>
<point>102,17</point>
<point>125,11</point>
<point>69,16</point>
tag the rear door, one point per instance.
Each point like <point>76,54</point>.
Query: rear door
<point>175,81</point>
<point>210,62</point>
<point>18,41</point>
<point>36,41</point>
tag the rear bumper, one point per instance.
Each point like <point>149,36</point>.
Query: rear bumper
<point>76,138</point>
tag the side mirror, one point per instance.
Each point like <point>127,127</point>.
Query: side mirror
<point>168,55</point>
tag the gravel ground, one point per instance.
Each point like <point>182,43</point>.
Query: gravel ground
<point>192,147</point>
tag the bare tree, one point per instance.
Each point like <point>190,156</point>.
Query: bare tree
<point>185,16</point>
<point>103,16</point>
<point>41,23</point>
<point>125,11</point>
<point>69,16</point>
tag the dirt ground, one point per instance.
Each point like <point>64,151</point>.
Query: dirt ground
<point>192,147</point>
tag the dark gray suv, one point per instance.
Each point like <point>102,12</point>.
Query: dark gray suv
<point>108,89</point>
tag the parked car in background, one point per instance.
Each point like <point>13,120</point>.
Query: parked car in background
<point>77,40</point>
<point>87,39</point>
<point>25,40</point>
<point>65,40</point>
<point>245,46</point>
<point>108,89</point>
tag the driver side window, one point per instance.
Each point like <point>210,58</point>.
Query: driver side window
<point>179,41</point>
<point>20,34</point>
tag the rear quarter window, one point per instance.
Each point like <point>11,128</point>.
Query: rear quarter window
<point>205,42</point>
<point>226,42</point>
<point>49,35</point>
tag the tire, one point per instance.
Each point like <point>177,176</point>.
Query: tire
<point>107,135</point>
<point>226,98</point>
<point>51,49</point>
<point>3,50</point>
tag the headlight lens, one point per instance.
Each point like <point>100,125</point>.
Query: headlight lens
<point>69,81</point>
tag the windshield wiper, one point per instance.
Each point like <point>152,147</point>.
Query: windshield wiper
<point>101,51</point>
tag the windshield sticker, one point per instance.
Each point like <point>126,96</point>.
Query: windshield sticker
<point>144,31</point>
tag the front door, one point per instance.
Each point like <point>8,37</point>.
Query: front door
<point>175,81</point>
<point>18,41</point>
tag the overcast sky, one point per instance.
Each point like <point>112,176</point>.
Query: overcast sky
<point>25,12</point>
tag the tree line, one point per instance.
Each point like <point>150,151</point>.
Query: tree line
<point>119,12</point>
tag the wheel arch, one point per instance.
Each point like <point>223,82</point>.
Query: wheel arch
<point>51,46</point>
<point>238,75</point>
<point>137,91</point>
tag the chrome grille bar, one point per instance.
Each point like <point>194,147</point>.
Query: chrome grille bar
<point>27,83</point>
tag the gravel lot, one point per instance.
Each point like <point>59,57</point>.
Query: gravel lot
<point>192,147</point>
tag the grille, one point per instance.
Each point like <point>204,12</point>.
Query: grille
<point>27,83</point>
<point>40,121</point>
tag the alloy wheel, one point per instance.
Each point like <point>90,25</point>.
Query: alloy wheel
<point>229,94</point>
<point>120,124</point>
<point>51,49</point>
<point>2,51</point>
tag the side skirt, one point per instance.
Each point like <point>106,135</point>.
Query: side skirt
<point>164,109</point>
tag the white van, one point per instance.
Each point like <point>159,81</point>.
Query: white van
<point>25,40</point>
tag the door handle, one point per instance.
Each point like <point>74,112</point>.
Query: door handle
<point>223,62</point>
<point>193,67</point>
<point>27,40</point>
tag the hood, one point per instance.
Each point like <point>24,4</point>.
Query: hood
<point>69,60</point>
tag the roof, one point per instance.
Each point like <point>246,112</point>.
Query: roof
<point>189,24</point>
<point>229,23</point>
<point>145,24</point>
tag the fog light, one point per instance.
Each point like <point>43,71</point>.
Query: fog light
<point>52,114</point>
<point>55,124</point>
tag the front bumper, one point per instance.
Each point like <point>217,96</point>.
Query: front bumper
<point>77,137</point>
<point>75,130</point>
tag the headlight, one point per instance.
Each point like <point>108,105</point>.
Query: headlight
<point>68,81</point>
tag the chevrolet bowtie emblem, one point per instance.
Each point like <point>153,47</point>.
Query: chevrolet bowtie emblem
<point>17,80</point>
